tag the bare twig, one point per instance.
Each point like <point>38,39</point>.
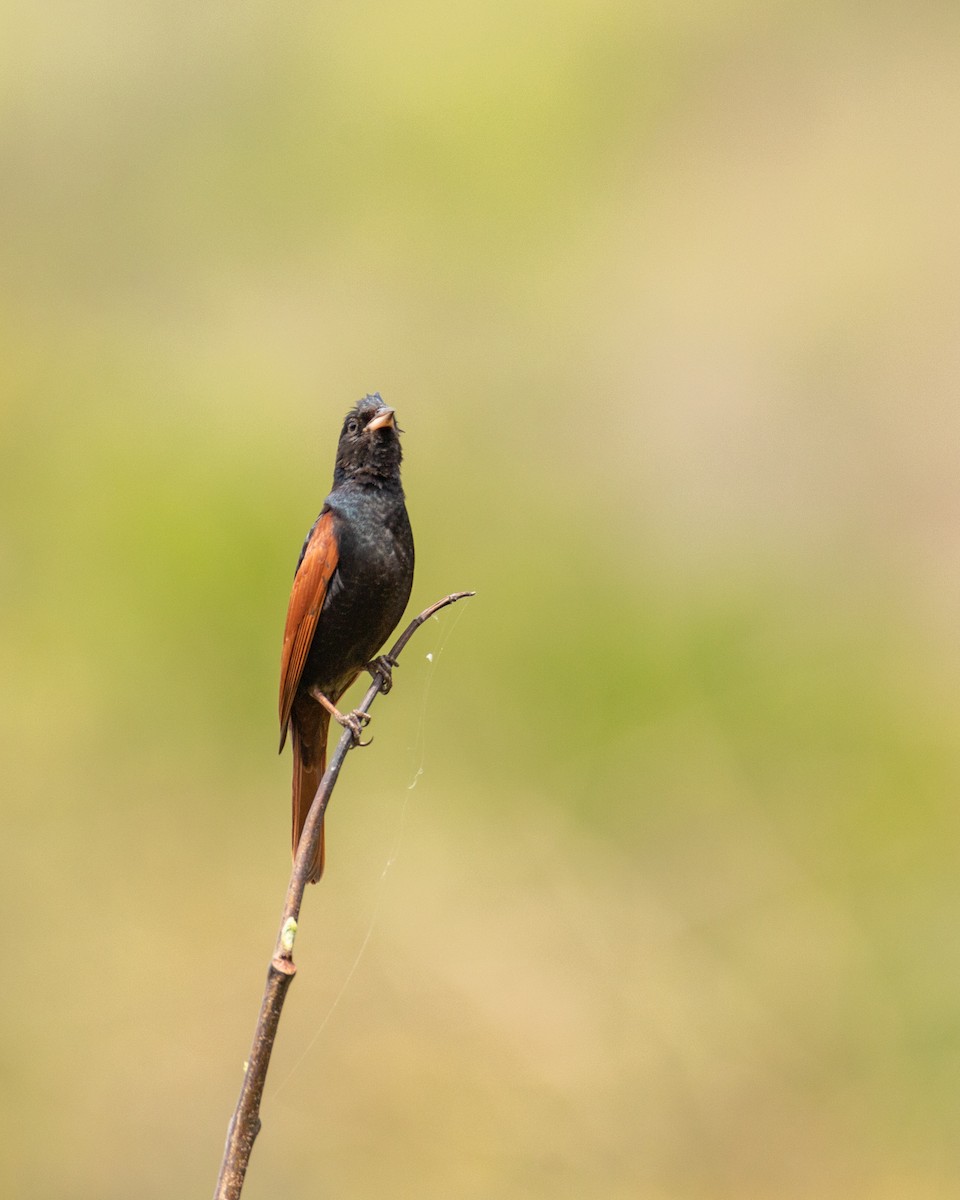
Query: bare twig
<point>245,1122</point>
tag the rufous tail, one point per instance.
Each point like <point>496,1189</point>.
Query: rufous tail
<point>309,763</point>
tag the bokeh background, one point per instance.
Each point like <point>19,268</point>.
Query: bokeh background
<point>648,885</point>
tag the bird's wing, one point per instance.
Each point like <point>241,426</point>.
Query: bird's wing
<point>317,565</point>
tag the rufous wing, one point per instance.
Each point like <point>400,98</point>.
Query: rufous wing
<point>310,585</point>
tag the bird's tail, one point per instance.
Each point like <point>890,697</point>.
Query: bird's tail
<point>309,763</point>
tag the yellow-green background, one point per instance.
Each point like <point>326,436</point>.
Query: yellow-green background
<point>667,297</point>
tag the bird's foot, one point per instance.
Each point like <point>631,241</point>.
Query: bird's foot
<point>383,666</point>
<point>354,721</point>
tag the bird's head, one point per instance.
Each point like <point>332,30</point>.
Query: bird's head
<point>369,443</point>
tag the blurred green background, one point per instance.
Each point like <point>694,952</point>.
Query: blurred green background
<point>666,297</point>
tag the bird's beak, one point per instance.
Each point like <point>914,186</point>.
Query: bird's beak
<point>381,419</point>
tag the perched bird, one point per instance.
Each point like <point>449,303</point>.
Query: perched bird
<point>351,586</point>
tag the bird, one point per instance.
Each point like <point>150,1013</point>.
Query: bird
<point>350,589</point>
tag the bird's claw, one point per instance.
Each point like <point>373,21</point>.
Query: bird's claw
<point>383,666</point>
<point>355,721</point>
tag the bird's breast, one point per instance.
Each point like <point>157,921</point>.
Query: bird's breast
<point>369,589</point>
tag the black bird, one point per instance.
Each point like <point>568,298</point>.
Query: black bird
<point>351,586</point>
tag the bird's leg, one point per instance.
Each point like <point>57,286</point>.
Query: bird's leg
<point>383,666</point>
<point>354,721</point>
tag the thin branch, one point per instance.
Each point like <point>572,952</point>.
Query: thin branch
<point>245,1122</point>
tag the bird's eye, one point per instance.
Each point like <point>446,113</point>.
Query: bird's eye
<point>352,426</point>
